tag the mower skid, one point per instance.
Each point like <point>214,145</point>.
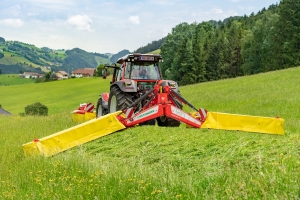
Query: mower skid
<point>143,116</point>
<point>179,115</point>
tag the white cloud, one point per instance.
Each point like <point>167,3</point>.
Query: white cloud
<point>12,22</point>
<point>217,10</point>
<point>162,2</point>
<point>246,8</point>
<point>134,19</point>
<point>33,14</point>
<point>81,22</point>
<point>14,10</point>
<point>235,0</point>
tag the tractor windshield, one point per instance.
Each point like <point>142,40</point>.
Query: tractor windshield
<point>145,71</point>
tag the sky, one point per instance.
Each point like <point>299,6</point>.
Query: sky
<point>109,26</point>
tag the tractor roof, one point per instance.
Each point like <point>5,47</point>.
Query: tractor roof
<point>140,57</point>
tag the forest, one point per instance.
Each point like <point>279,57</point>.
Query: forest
<point>239,46</point>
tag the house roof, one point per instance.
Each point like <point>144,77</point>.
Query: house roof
<point>4,112</point>
<point>89,71</point>
<point>30,73</point>
<point>63,73</point>
<point>33,74</point>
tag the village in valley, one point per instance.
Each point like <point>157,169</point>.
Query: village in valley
<point>60,75</point>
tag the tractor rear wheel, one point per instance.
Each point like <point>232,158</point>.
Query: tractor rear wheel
<point>164,121</point>
<point>118,100</point>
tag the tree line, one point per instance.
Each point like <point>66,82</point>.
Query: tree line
<point>238,46</point>
<point>154,45</point>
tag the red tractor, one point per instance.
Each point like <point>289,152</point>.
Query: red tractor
<point>138,89</point>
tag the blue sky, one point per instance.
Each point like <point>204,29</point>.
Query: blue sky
<point>109,26</point>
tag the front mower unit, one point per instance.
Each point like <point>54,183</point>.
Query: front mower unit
<point>162,105</point>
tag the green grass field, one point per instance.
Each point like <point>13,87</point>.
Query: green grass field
<point>13,79</point>
<point>153,162</point>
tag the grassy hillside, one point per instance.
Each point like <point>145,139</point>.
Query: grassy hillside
<point>155,52</point>
<point>13,79</point>
<point>29,55</point>
<point>58,96</point>
<point>153,162</point>
<point>101,60</point>
<point>12,58</point>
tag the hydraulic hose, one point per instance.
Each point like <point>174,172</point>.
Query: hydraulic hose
<point>141,98</point>
<point>183,100</point>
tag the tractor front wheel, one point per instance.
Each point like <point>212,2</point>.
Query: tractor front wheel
<point>100,110</point>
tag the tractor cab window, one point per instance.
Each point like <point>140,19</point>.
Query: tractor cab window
<point>145,71</point>
<point>119,73</point>
<point>127,70</point>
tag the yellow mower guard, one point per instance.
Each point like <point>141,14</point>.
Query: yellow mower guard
<point>71,137</point>
<point>247,123</point>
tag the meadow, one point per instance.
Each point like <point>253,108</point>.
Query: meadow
<point>13,79</point>
<point>152,162</point>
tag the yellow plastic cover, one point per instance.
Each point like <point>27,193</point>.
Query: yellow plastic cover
<point>76,117</point>
<point>247,123</point>
<point>74,136</point>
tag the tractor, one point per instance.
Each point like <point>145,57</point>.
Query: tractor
<point>133,76</point>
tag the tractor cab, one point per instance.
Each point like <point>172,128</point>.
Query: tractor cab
<point>138,67</point>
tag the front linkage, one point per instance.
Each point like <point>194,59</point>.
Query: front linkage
<point>162,103</point>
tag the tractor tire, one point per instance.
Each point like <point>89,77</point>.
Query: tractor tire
<point>148,123</point>
<point>167,122</point>
<point>118,100</point>
<point>100,111</point>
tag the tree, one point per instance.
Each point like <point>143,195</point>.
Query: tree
<point>1,55</point>
<point>170,48</point>
<point>287,34</point>
<point>2,40</point>
<point>234,36</point>
<point>47,76</point>
<point>199,54</point>
<point>0,71</point>
<point>98,71</point>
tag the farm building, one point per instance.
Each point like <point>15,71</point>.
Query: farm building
<point>61,75</point>
<point>86,72</point>
<point>31,75</point>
